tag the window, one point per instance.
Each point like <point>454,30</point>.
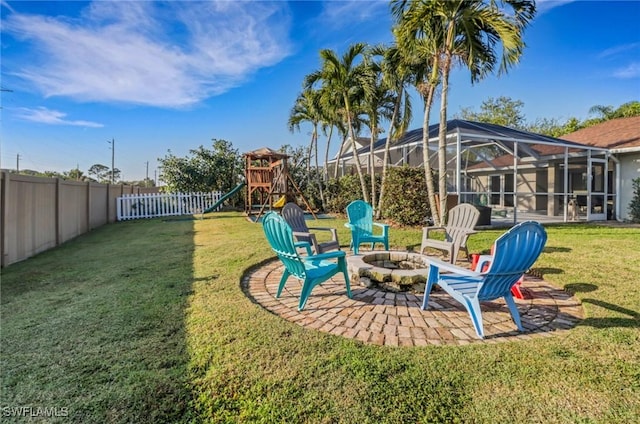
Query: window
<point>495,189</point>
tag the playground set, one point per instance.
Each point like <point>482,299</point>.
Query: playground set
<point>268,184</point>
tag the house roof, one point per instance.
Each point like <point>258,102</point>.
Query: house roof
<point>476,133</point>
<point>348,147</point>
<point>621,133</point>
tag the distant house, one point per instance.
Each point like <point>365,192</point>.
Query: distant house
<point>345,167</point>
<point>517,172</point>
<point>622,138</point>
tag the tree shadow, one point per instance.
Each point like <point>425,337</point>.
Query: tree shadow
<point>574,288</point>
<point>553,249</point>
<point>632,322</point>
<point>604,322</point>
<point>541,271</point>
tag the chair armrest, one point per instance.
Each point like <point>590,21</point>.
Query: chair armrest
<point>427,230</point>
<point>305,244</point>
<point>329,255</point>
<point>385,228</point>
<point>450,267</point>
<point>334,231</point>
<point>307,238</point>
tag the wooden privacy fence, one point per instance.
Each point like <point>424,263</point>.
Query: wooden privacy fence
<point>38,213</point>
<point>152,205</point>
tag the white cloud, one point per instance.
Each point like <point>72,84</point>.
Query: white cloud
<point>52,117</point>
<point>5,4</point>
<point>617,50</point>
<point>169,55</point>
<point>628,72</point>
<point>339,14</point>
<point>543,6</point>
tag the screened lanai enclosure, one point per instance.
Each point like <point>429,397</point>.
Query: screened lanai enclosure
<point>516,174</point>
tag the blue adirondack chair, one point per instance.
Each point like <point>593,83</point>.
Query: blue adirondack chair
<point>312,269</point>
<point>514,253</point>
<point>360,215</point>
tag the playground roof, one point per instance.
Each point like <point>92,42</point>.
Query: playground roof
<point>265,152</point>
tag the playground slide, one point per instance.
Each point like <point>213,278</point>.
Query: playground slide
<point>280,203</point>
<point>223,198</point>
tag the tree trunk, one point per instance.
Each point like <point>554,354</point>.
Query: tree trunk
<point>385,161</point>
<point>372,168</point>
<point>442,141</point>
<point>318,177</point>
<point>426,155</point>
<point>314,140</point>
<point>325,170</point>
<point>363,184</point>
<point>356,158</point>
<point>342,143</point>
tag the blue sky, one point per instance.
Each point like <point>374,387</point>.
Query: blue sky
<point>173,75</point>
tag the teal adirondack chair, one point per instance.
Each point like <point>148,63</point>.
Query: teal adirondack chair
<point>312,269</point>
<point>360,215</point>
<point>514,253</point>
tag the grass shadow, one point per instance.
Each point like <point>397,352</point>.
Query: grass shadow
<point>106,331</point>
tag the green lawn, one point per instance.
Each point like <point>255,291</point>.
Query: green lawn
<point>146,321</point>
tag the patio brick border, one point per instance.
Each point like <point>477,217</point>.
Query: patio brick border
<point>395,319</point>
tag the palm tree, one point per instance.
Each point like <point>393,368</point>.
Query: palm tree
<point>395,76</point>
<point>331,118</point>
<point>344,76</point>
<point>378,102</point>
<point>466,32</point>
<point>307,108</point>
<point>419,48</point>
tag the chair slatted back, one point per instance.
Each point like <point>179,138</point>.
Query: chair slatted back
<point>294,216</point>
<point>280,237</point>
<point>513,254</point>
<point>360,215</point>
<point>462,218</point>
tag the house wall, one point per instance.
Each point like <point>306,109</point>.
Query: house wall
<point>629,170</point>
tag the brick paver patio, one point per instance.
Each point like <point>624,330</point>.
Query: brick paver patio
<point>395,319</point>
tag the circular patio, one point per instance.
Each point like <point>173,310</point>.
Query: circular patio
<point>395,319</point>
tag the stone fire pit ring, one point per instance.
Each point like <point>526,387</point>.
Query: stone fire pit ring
<point>393,271</point>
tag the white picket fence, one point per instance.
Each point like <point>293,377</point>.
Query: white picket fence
<point>153,205</point>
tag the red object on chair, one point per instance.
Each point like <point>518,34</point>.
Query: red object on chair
<point>515,290</point>
<point>475,258</point>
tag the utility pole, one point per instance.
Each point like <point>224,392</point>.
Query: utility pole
<point>146,178</point>
<point>113,155</point>
<point>18,163</point>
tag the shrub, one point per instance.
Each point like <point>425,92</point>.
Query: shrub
<point>406,201</point>
<point>342,191</point>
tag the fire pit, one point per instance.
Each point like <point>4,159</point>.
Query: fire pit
<point>390,270</point>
